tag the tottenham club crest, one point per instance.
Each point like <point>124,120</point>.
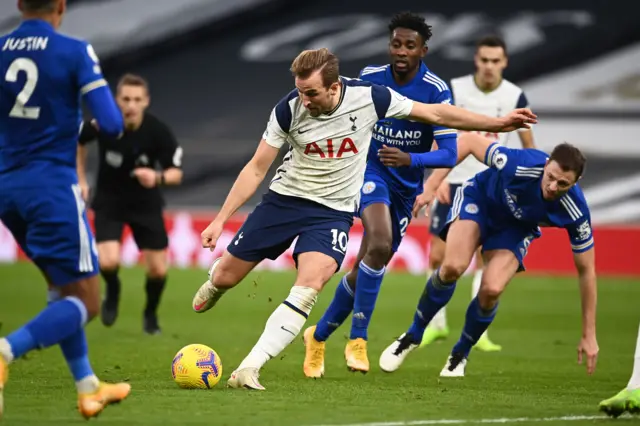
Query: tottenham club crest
<point>353,122</point>
<point>368,187</point>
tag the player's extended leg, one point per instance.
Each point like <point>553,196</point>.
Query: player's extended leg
<point>156,263</point>
<point>437,328</point>
<point>462,241</point>
<point>627,399</point>
<point>341,305</point>
<point>502,265</point>
<point>484,343</point>
<point>285,323</point>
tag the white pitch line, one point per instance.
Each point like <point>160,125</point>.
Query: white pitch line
<point>480,421</point>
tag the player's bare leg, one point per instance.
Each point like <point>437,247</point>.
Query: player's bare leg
<point>109,258</point>
<point>225,273</point>
<point>627,399</point>
<point>156,265</point>
<point>285,323</point>
<point>437,328</point>
<point>484,344</point>
<point>84,296</point>
<point>462,241</point>
<point>314,337</point>
<point>502,265</point>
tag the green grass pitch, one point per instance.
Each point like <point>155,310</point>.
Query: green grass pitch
<point>535,376</point>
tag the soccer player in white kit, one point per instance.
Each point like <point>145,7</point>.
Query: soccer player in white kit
<point>327,122</point>
<point>484,92</point>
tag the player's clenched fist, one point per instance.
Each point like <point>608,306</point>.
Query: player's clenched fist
<point>211,234</point>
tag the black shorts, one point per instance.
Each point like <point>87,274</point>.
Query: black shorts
<point>148,227</point>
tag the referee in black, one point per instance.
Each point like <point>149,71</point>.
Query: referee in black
<point>131,172</point>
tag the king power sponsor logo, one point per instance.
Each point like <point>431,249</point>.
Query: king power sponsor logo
<point>360,36</point>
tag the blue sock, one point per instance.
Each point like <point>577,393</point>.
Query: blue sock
<point>76,353</point>
<point>336,313</point>
<point>367,288</point>
<point>58,321</point>
<point>436,294</point>
<point>477,321</point>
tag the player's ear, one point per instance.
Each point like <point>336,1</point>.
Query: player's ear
<point>425,49</point>
<point>335,86</point>
<point>20,6</point>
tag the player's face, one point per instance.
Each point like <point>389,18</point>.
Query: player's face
<point>133,101</point>
<point>556,182</point>
<point>490,63</point>
<point>406,49</point>
<point>317,98</point>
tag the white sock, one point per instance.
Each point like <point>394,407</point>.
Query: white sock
<point>282,327</point>
<point>475,285</point>
<point>88,385</point>
<point>5,350</point>
<point>634,382</point>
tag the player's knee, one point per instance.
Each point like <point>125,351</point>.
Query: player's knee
<point>452,269</point>
<point>489,294</point>
<point>378,252</point>
<point>109,263</point>
<point>157,270</point>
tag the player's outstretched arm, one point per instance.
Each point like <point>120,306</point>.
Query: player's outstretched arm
<point>586,266</point>
<point>248,180</point>
<point>243,188</point>
<point>458,118</point>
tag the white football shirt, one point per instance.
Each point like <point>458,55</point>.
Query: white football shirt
<point>328,154</point>
<point>503,99</point>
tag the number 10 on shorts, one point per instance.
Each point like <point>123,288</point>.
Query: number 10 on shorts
<point>339,241</point>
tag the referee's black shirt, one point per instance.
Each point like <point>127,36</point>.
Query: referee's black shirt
<point>152,145</point>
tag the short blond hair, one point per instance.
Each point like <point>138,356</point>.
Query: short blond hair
<point>309,61</point>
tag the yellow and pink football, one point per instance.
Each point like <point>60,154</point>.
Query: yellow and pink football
<point>196,367</point>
